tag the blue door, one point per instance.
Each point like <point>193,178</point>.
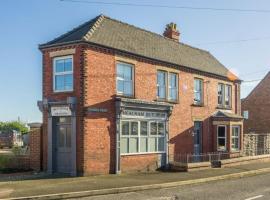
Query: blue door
<point>197,139</point>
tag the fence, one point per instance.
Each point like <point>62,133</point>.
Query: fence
<point>256,144</point>
<point>205,157</point>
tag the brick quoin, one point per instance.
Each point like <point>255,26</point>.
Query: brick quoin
<point>95,86</point>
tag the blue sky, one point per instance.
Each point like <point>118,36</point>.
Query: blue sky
<point>26,23</point>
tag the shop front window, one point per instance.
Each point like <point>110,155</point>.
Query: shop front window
<point>142,136</point>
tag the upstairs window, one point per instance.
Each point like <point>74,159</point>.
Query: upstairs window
<point>161,84</point>
<point>198,91</point>
<point>63,74</point>
<point>173,86</point>
<point>228,95</point>
<point>124,79</point>
<point>220,94</point>
<point>224,95</point>
<point>167,86</point>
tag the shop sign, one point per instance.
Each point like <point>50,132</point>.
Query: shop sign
<point>58,111</point>
<point>143,114</point>
<point>100,110</point>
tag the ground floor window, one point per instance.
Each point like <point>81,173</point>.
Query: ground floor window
<point>235,138</point>
<point>142,136</point>
<point>221,138</point>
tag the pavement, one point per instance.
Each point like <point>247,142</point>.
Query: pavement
<point>45,185</point>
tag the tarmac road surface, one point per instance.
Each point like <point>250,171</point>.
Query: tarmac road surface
<point>249,188</point>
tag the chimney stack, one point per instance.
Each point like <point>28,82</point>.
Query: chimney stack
<point>172,32</point>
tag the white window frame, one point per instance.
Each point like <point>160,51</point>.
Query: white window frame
<point>169,86</point>
<point>233,137</point>
<point>201,92</point>
<point>225,149</point>
<point>148,136</point>
<point>222,93</point>
<point>122,79</point>
<point>62,73</point>
<point>245,114</point>
<point>229,95</point>
<point>165,86</point>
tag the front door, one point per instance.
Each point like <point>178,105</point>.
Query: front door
<point>197,137</point>
<point>63,145</point>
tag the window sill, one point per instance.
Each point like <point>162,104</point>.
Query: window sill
<point>167,101</point>
<point>197,104</point>
<point>63,91</point>
<point>224,108</point>
<point>125,96</point>
<point>143,153</point>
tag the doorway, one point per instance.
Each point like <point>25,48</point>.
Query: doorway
<point>63,132</point>
<point>197,139</point>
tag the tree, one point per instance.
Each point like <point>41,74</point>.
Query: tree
<point>14,125</point>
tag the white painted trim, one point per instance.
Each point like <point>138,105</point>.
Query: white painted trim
<point>225,138</point>
<point>132,76</point>
<point>63,73</point>
<point>239,137</point>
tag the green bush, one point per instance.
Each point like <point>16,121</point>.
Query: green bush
<point>4,161</point>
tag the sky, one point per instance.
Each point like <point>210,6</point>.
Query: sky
<point>26,23</point>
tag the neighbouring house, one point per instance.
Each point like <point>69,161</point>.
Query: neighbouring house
<point>255,108</point>
<point>118,98</point>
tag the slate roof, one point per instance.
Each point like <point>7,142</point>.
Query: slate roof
<point>223,114</point>
<point>115,34</point>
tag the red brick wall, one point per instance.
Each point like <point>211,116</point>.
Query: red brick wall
<point>97,89</point>
<point>35,148</point>
<point>78,62</point>
<point>258,106</point>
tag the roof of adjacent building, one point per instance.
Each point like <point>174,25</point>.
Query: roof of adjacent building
<point>115,34</point>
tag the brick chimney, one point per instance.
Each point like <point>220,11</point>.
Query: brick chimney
<point>172,32</point>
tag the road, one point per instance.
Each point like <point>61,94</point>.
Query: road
<point>249,188</point>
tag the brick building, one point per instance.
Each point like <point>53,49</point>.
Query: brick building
<point>255,108</point>
<point>117,98</point>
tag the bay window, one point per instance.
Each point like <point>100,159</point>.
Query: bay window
<point>63,74</point>
<point>142,137</point>
<point>124,79</point>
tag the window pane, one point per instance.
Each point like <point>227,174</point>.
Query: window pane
<point>173,94</point>
<point>221,143</point>
<point>124,145</point>
<point>220,94</point>
<point>59,82</point>
<point>128,72</point>
<point>221,131</point>
<point>68,64</point>
<point>59,65</point>
<point>152,145</point>
<point>128,88</point>
<point>161,128</point>
<point>161,144</point>
<point>143,144</point>
<point>161,84</point>
<point>125,128</point>
<point>133,145</point>
<point>120,86</point>
<point>153,128</point>
<point>134,128</point>
<point>144,127</point>
<point>68,82</point>
<point>120,71</point>
<point>161,92</point>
